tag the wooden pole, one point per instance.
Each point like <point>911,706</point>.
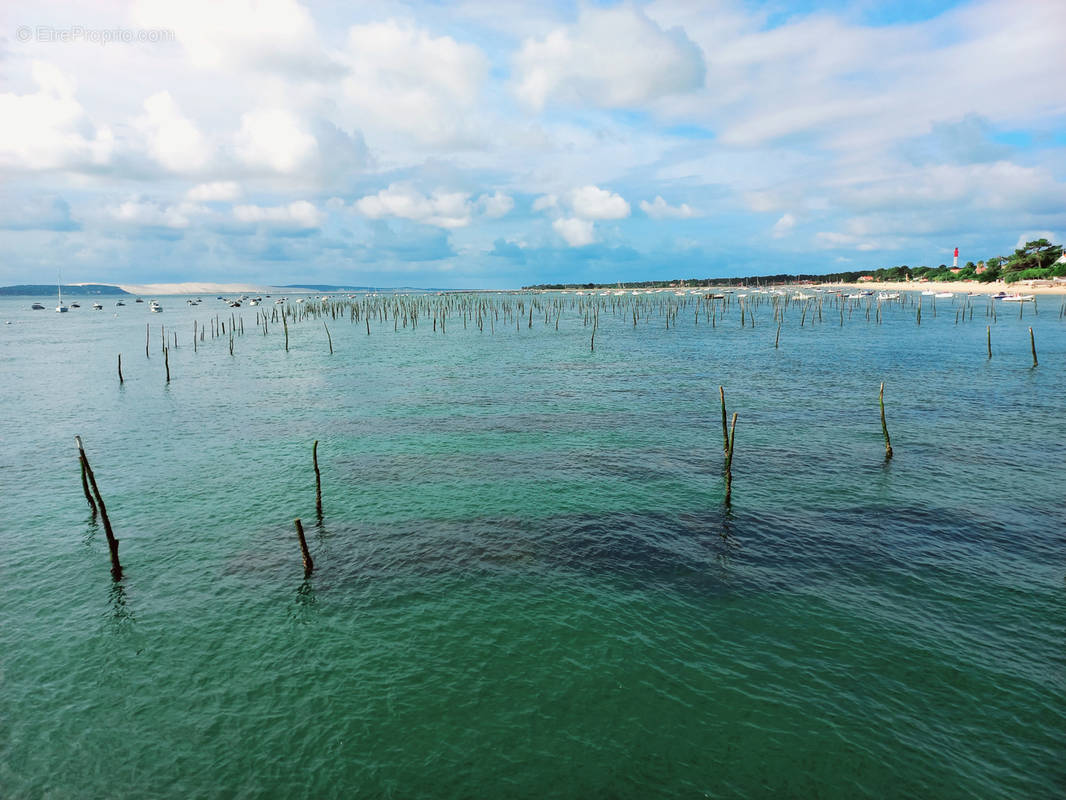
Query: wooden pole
<point>1032,345</point>
<point>725,432</point>
<point>318,479</point>
<point>884,426</point>
<point>166,361</point>
<point>729,461</point>
<point>120,380</point>
<point>988,330</point>
<point>85,487</point>
<point>112,542</point>
<point>309,565</point>
<point>286,325</point>
<point>329,338</point>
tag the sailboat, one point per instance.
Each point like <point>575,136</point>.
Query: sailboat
<point>60,309</point>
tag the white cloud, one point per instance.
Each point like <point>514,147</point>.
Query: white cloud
<point>610,58</point>
<point>576,232</point>
<point>545,202</point>
<point>173,140</point>
<point>214,192</point>
<point>257,33</point>
<point>49,129</point>
<point>660,209</point>
<point>592,202</point>
<point>783,226</point>
<point>405,79</point>
<point>147,213</point>
<point>274,138</point>
<point>495,205</point>
<point>443,209</point>
<point>878,83</point>
<point>299,214</point>
<point>996,185</point>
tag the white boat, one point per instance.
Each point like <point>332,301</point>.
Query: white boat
<point>944,295</point>
<point>37,307</point>
<point>98,307</point>
<point>929,294</point>
<point>1016,298</point>
<point>155,308</point>
<point>888,296</point>
<point>60,309</point>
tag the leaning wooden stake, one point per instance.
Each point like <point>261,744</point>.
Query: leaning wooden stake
<point>308,563</point>
<point>328,337</point>
<point>725,432</point>
<point>166,361</point>
<point>120,380</point>
<point>112,542</point>
<point>1032,345</point>
<point>729,461</point>
<point>85,487</point>
<point>318,479</point>
<point>884,426</point>
<point>988,329</point>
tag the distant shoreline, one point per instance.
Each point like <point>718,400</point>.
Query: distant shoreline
<point>956,287</point>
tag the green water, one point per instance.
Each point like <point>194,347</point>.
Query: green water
<point>526,583</point>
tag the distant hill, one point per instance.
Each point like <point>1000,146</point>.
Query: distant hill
<point>47,290</point>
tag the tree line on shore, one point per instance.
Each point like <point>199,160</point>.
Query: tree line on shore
<point>1037,260</point>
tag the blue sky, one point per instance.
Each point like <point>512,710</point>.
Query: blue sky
<point>494,144</point>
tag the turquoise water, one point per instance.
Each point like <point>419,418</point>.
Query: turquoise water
<point>526,583</point>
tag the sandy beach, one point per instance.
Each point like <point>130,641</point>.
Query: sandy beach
<point>959,287</point>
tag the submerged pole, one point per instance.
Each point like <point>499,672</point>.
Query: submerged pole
<point>318,479</point>
<point>884,426</point>
<point>309,565</point>
<point>112,542</point>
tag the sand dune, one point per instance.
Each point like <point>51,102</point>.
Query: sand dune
<point>193,288</point>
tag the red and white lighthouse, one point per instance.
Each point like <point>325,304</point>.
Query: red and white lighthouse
<point>955,263</point>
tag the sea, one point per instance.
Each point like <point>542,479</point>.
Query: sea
<point>527,581</point>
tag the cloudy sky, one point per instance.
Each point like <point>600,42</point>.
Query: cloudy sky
<point>489,143</point>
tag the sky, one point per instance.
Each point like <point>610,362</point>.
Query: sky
<point>494,144</point>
